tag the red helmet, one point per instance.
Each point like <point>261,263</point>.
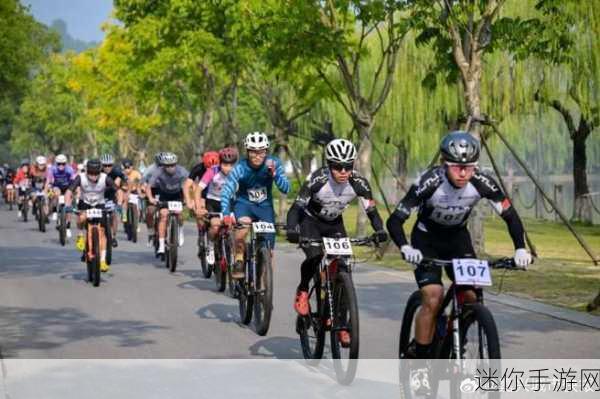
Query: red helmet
<point>210,159</point>
<point>228,155</point>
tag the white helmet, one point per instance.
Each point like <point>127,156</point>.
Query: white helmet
<point>41,160</point>
<point>340,151</point>
<point>60,158</point>
<point>256,141</point>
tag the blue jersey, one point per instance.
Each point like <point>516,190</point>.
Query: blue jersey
<point>253,186</point>
<point>61,178</point>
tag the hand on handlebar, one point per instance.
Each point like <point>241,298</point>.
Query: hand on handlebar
<point>411,254</point>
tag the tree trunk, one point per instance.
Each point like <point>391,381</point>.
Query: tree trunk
<point>306,161</point>
<point>582,209</point>
<point>282,155</point>
<point>473,101</point>
<point>401,171</point>
<point>365,151</point>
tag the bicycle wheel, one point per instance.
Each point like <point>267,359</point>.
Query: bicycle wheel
<point>133,221</point>
<point>25,209</point>
<point>40,216</point>
<point>88,261</point>
<point>202,251</point>
<point>96,258</point>
<point>263,301</point>
<point>409,365</point>
<point>345,318</point>
<point>245,297</point>
<point>220,268</point>
<point>480,346</point>
<point>108,234</point>
<point>173,242</point>
<point>62,226</point>
<point>311,328</point>
<point>231,283</point>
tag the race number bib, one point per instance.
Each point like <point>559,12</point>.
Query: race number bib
<point>109,205</point>
<point>93,213</point>
<point>471,272</point>
<point>61,200</point>
<point>263,227</point>
<point>337,246</point>
<point>330,213</point>
<point>257,194</point>
<point>449,216</point>
<point>9,186</point>
<point>175,206</point>
<point>133,199</point>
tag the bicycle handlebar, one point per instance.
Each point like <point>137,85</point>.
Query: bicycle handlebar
<point>358,241</point>
<point>500,263</point>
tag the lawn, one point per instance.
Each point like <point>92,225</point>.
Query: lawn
<point>562,275</point>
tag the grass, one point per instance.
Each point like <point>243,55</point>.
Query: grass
<point>562,275</point>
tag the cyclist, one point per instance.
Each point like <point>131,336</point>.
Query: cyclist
<point>39,178</point>
<point>113,193</point>
<point>445,196</point>
<point>92,185</point>
<point>169,183</point>
<point>60,176</point>
<point>133,180</point>
<point>23,182</point>
<point>9,189</point>
<point>150,209</point>
<point>317,211</point>
<point>213,180</point>
<point>252,181</point>
<point>208,160</point>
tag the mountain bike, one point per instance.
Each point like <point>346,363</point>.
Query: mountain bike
<point>203,250</point>
<point>255,290</point>
<point>133,217</point>
<point>95,233</point>
<point>61,222</point>
<point>172,237</point>
<point>464,331</point>
<point>224,261</point>
<point>39,207</point>
<point>333,306</point>
<point>107,222</point>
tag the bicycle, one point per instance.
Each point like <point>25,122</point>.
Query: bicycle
<point>255,290</point>
<point>108,215</point>
<point>332,305</point>
<point>9,191</point>
<point>133,215</point>
<point>61,223</point>
<point>95,231</point>
<point>207,267</point>
<point>464,324</point>
<point>172,237</point>
<point>24,197</point>
<point>224,261</point>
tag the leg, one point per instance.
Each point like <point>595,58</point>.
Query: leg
<point>162,230</point>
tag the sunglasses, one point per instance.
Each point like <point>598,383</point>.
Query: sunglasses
<point>60,164</point>
<point>348,167</point>
<point>107,166</point>
<point>257,153</point>
<point>458,168</point>
<point>93,174</point>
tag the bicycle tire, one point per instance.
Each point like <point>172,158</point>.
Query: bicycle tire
<point>345,317</point>
<point>173,242</point>
<point>220,270</point>
<point>96,259</point>
<point>40,216</point>
<point>263,301</point>
<point>202,251</point>
<point>62,227</point>
<point>245,298</point>
<point>133,220</point>
<point>312,344</point>
<point>107,222</point>
<point>25,209</point>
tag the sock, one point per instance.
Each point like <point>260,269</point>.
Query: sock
<point>422,351</point>
<point>103,256</point>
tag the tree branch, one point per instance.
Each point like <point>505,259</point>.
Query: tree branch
<point>335,93</point>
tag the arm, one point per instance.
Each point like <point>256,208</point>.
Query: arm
<point>365,196</point>
<point>281,180</point>
<point>206,178</point>
<point>187,185</point>
<point>230,188</point>
<point>395,223</point>
<point>295,213</point>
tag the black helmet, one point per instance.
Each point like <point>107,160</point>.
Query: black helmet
<point>93,166</point>
<point>460,147</point>
<point>127,163</point>
<point>25,161</point>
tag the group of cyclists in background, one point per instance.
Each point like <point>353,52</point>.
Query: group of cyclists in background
<point>226,194</point>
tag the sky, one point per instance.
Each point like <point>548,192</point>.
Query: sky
<point>83,17</point>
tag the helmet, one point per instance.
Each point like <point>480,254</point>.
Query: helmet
<point>340,151</point>
<point>25,161</point>
<point>460,147</point>
<point>210,159</point>
<point>93,166</point>
<point>60,158</point>
<point>168,158</point>
<point>107,159</point>
<point>80,167</point>
<point>228,155</point>
<point>256,141</point>
<point>41,160</point>
<point>127,163</point>
<point>157,157</point>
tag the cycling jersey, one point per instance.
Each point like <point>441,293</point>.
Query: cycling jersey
<point>38,177</point>
<point>444,208</point>
<point>115,173</point>
<point>92,193</point>
<point>169,184</point>
<point>322,197</point>
<point>214,179</point>
<point>149,172</point>
<point>253,186</point>
<point>197,172</point>
<point>60,178</point>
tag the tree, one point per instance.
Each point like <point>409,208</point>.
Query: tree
<point>463,32</point>
<point>337,38</point>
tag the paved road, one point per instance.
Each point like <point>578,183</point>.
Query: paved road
<point>48,310</point>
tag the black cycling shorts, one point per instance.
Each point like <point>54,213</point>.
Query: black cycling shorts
<point>83,206</point>
<point>314,228</point>
<point>213,205</point>
<point>446,245</point>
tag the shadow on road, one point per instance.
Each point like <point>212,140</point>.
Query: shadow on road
<point>277,347</point>
<point>43,329</point>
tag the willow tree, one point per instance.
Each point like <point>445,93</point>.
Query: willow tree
<point>464,32</point>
